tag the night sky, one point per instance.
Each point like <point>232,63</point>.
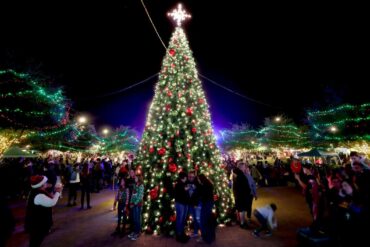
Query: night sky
<point>290,57</point>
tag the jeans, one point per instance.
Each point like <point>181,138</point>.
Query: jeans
<point>261,220</point>
<point>72,193</point>
<point>181,214</point>
<point>122,218</point>
<point>207,225</point>
<point>85,191</point>
<point>136,218</point>
<point>194,211</point>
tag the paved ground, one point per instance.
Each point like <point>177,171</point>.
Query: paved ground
<point>90,228</point>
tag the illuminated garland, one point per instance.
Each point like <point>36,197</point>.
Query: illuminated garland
<point>343,123</point>
<point>21,99</point>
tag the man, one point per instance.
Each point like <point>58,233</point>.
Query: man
<point>39,209</point>
<point>311,190</point>
<point>181,205</point>
<point>266,218</point>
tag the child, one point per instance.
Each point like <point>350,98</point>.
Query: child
<point>266,217</point>
<point>136,203</point>
<point>122,198</point>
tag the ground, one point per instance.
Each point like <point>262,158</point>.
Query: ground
<point>90,228</point>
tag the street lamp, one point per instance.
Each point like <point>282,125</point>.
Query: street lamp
<point>333,129</point>
<point>278,119</point>
<point>105,131</point>
<point>82,120</point>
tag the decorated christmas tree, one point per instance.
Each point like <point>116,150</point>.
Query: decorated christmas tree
<point>178,136</point>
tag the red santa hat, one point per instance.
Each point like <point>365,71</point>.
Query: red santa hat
<point>37,181</point>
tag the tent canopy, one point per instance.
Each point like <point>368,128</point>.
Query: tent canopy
<point>312,153</point>
<point>16,152</point>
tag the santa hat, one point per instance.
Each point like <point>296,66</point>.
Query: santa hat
<point>37,181</point>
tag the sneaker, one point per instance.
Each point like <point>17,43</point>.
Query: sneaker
<point>131,235</point>
<point>255,234</point>
<point>244,226</point>
<point>200,241</point>
<point>268,234</point>
<point>135,237</point>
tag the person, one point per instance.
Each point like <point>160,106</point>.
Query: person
<point>207,224</point>
<point>194,202</point>
<point>39,209</point>
<point>241,192</point>
<point>181,205</point>
<point>122,199</point>
<point>7,220</point>
<point>311,191</point>
<point>85,181</point>
<point>266,218</point>
<point>74,182</point>
<point>253,191</point>
<point>136,203</point>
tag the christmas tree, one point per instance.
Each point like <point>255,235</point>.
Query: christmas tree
<point>178,136</point>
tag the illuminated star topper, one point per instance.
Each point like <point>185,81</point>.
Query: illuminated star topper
<point>179,15</point>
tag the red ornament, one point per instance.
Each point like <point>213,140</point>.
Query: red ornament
<point>151,150</point>
<point>160,219</point>
<point>296,166</point>
<point>177,132</point>
<point>172,52</point>
<point>173,218</point>
<point>170,159</point>
<point>201,101</point>
<point>168,107</point>
<point>194,130</point>
<point>164,190</point>
<point>172,167</point>
<point>173,65</point>
<point>189,111</point>
<point>153,194</point>
<point>169,93</point>
<point>179,154</point>
<point>210,165</point>
<point>162,151</point>
<point>188,156</point>
<point>215,197</point>
<point>196,167</point>
<point>169,144</point>
<point>149,230</point>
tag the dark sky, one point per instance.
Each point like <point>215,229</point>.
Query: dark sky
<point>291,57</point>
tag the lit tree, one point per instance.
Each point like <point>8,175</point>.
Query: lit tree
<point>123,138</point>
<point>178,136</point>
<point>282,132</point>
<point>340,125</point>
<point>239,137</point>
<point>28,103</point>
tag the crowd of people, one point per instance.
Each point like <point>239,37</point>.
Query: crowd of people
<point>337,198</point>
